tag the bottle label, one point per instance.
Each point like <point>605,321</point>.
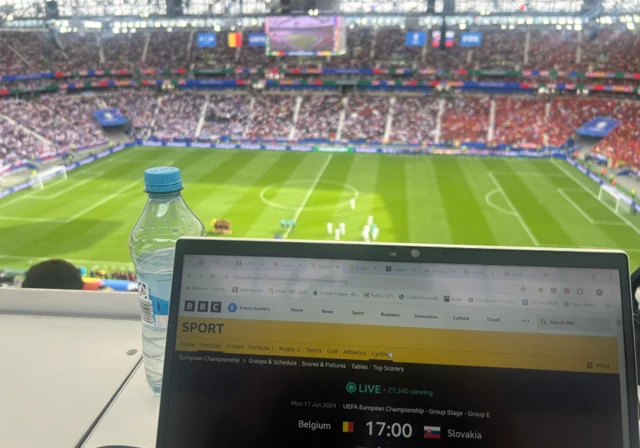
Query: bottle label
<point>154,311</point>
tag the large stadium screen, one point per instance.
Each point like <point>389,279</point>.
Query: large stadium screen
<point>305,36</point>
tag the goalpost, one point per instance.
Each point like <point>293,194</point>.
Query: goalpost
<point>620,202</point>
<point>56,172</point>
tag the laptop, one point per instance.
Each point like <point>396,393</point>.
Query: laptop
<point>300,344</point>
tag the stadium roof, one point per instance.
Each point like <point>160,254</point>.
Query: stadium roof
<point>10,9</point>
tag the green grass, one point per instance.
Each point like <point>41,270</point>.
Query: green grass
<point>301,41</point>
<point>425,199</point>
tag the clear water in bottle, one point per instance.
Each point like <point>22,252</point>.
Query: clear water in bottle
<point>155,270</point>
<point>165,218</point>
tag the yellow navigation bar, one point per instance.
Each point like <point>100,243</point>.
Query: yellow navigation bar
<point>400,344</point>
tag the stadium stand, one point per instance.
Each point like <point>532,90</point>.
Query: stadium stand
<point>466,119</point>
<point>500,50</point>
<point>566,114</point>
<point>613,50</point>
<point>253,57</point>
<point>123,50</point>
<point>520,122</point>
<point>66,122</point>
<point>319,117</point>
<point>366,118</point>
<point>167,50</point>
<point>139,108</point>
<point>451,59</point>
<point>83,52</point>
<point>216,57</point>
<point>549,49</point>
<point>18,144</point>
<point>390,49</point>
<point>226,115</point>
<point>358,55</point>
<point>414,119</point>
<point>271,117</point>
<point>552,50</point>
<point>623,144</point>
<point>178,115</point>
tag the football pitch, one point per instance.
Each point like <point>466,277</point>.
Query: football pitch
<point>423,199</point>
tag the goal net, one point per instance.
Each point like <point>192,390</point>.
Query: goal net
<point>615,199</point>
<point>46,176</point>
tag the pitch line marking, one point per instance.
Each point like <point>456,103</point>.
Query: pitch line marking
<point>576,206</point>
<point>78,184</point>
<point>31,219</point>
<point>105,199</point>
<point>584,213</point>
<point>515,211</point>
<point>308,195</point>
<point>19,198</point>
<point>563,192</point>
<point>568,173</point>
<point>355,192</point>
<point>526,174</point>
<point>488,200</point>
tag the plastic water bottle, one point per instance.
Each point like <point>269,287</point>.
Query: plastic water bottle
<point>152,244</point>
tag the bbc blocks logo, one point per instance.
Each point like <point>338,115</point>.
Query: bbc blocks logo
<point>202,306</point>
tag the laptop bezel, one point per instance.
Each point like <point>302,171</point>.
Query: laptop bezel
<point>480,255</point>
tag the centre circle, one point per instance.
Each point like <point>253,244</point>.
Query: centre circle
<point>298,184</point>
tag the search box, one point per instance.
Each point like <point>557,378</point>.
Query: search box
<point>571,323</point>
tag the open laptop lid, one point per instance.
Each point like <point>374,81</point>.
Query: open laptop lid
<point>345,345</point>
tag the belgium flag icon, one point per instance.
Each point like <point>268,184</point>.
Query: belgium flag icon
<point>347,426</point>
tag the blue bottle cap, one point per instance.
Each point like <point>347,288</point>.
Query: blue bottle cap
<point>162,179</point>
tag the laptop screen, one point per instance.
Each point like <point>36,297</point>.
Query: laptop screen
<point>274,352</point>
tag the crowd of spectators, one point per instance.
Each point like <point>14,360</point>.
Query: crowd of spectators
<point>450,58</point>
<point>549,49</point>
<point>271,117</point>
<point>82,51</point>
<point>178,115</point>
<point>415,119</point>
<point>220,56</point>
<point>17,144</point>
<point>359,42</point>
<point>319,117</point>
<point>78,111</point>
<point>226,115</point>
<point>500,50</point>
<point>623,144</point>
<point>392,51</point>
<point>66,122</point>
<point>466,119</point>
<point>520,122</point>
<point>138,107</point>
<point>10,61</point>
<point>252,57</point>
<point>552,50</point>
<point>611,50</point>
<point>167,50</point>
<point>123,50</point>
<point>568,113</point>
<point>366,118</point>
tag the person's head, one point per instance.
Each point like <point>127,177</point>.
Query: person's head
<point>53,274</point>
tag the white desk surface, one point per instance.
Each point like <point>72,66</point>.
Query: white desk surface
<point>132,419</point>
<point>57,374</point>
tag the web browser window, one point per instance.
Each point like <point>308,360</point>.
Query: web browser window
<point>314,353</point>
